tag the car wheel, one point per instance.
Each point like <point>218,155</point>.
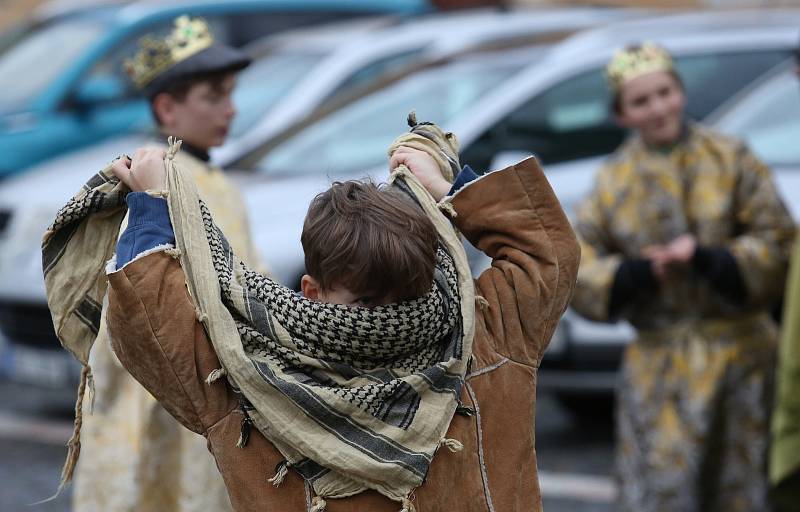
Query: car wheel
<point>587,406</point>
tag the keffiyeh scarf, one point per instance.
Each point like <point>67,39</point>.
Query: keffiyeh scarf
<point>354,398</point>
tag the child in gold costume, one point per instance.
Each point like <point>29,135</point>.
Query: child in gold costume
<point>686,237</point>
<point>135,456</point>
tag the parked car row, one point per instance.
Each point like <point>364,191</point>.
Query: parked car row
<point>60,76</point>
<point>508,84</point>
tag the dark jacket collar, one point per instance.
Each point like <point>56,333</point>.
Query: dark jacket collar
<point>200,154</point>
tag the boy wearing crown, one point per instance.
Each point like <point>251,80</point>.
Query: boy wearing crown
<point>136,457</point>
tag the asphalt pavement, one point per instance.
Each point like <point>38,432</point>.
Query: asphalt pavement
<point>575,456</point>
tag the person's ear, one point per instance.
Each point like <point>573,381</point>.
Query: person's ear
<point>309,287</point>
<point>164,107</point>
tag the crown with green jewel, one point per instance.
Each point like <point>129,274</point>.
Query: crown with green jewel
<point>635,61</point>
<point>188,37</point>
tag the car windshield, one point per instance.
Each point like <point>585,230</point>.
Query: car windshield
<point>265,82</point>
<point>769,119</point>
<point>438,95</point>
<point>35,60</point>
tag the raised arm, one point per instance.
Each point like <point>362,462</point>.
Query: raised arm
<point>514,217</point>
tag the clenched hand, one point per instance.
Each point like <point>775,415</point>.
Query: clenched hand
<point>146,171</point>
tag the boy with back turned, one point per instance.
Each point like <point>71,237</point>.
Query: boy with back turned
<point>394,382</point>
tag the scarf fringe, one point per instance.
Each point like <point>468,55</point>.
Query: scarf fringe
<point>447,207</point>
<point>244,435</point>
<point>408,506</point>
<point>317,504</point>
<point>465,410</point>
<point>215,375</point>
<point>158,194</point>
<point>90,390</point>
<point>174,144</point>
<point>454,445</point>
<point>74,443</point>
<point>201,317</point>
<point>174,252</point>
<point>280,473</point>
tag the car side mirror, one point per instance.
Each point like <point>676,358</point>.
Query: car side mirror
<point>97,91</point>
<point>504,159</point>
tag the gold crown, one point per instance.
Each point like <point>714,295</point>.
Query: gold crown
<point>188,37</point>
<point>633,62</point>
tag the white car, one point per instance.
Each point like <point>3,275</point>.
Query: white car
<point>767,116</point>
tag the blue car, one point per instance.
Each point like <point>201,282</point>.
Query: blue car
<point>60,78</point>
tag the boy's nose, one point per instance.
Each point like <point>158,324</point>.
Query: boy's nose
<point>230,109</point>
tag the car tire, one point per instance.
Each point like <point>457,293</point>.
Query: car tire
<point>584,407</point>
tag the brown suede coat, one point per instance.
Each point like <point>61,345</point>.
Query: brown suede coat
<point>514,217</point>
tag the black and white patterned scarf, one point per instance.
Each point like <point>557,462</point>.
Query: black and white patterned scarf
<point>354,398</point>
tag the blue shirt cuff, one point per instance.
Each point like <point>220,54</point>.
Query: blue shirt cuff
<point>465,176</point>
<point>148,227</point>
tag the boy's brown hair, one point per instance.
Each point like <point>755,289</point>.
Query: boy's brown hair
<point>373,241</point>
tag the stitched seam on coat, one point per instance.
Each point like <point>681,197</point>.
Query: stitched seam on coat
<point>487,369</point>
<point>235,410</point>
<point>307,488</point>
<point>161,348</point>
<point>484,476</point>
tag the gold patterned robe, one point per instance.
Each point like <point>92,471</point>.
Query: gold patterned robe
<point>135,457</point>
<point>694,398</point>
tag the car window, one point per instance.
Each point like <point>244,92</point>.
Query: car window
<point>572,119</point>
<point>32,62</point>
<point>330,147</point>
<point>374,70</point>
<point>712,79</point>
<point>262,85</point>
<point>768,118</point>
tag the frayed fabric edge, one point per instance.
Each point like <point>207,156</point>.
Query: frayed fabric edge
<point>111,265</point>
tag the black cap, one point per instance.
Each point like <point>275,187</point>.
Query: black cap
<point>217,58</point>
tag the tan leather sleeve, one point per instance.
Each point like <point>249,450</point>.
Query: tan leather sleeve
<point>514,217</point>
<point>155,335</point>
